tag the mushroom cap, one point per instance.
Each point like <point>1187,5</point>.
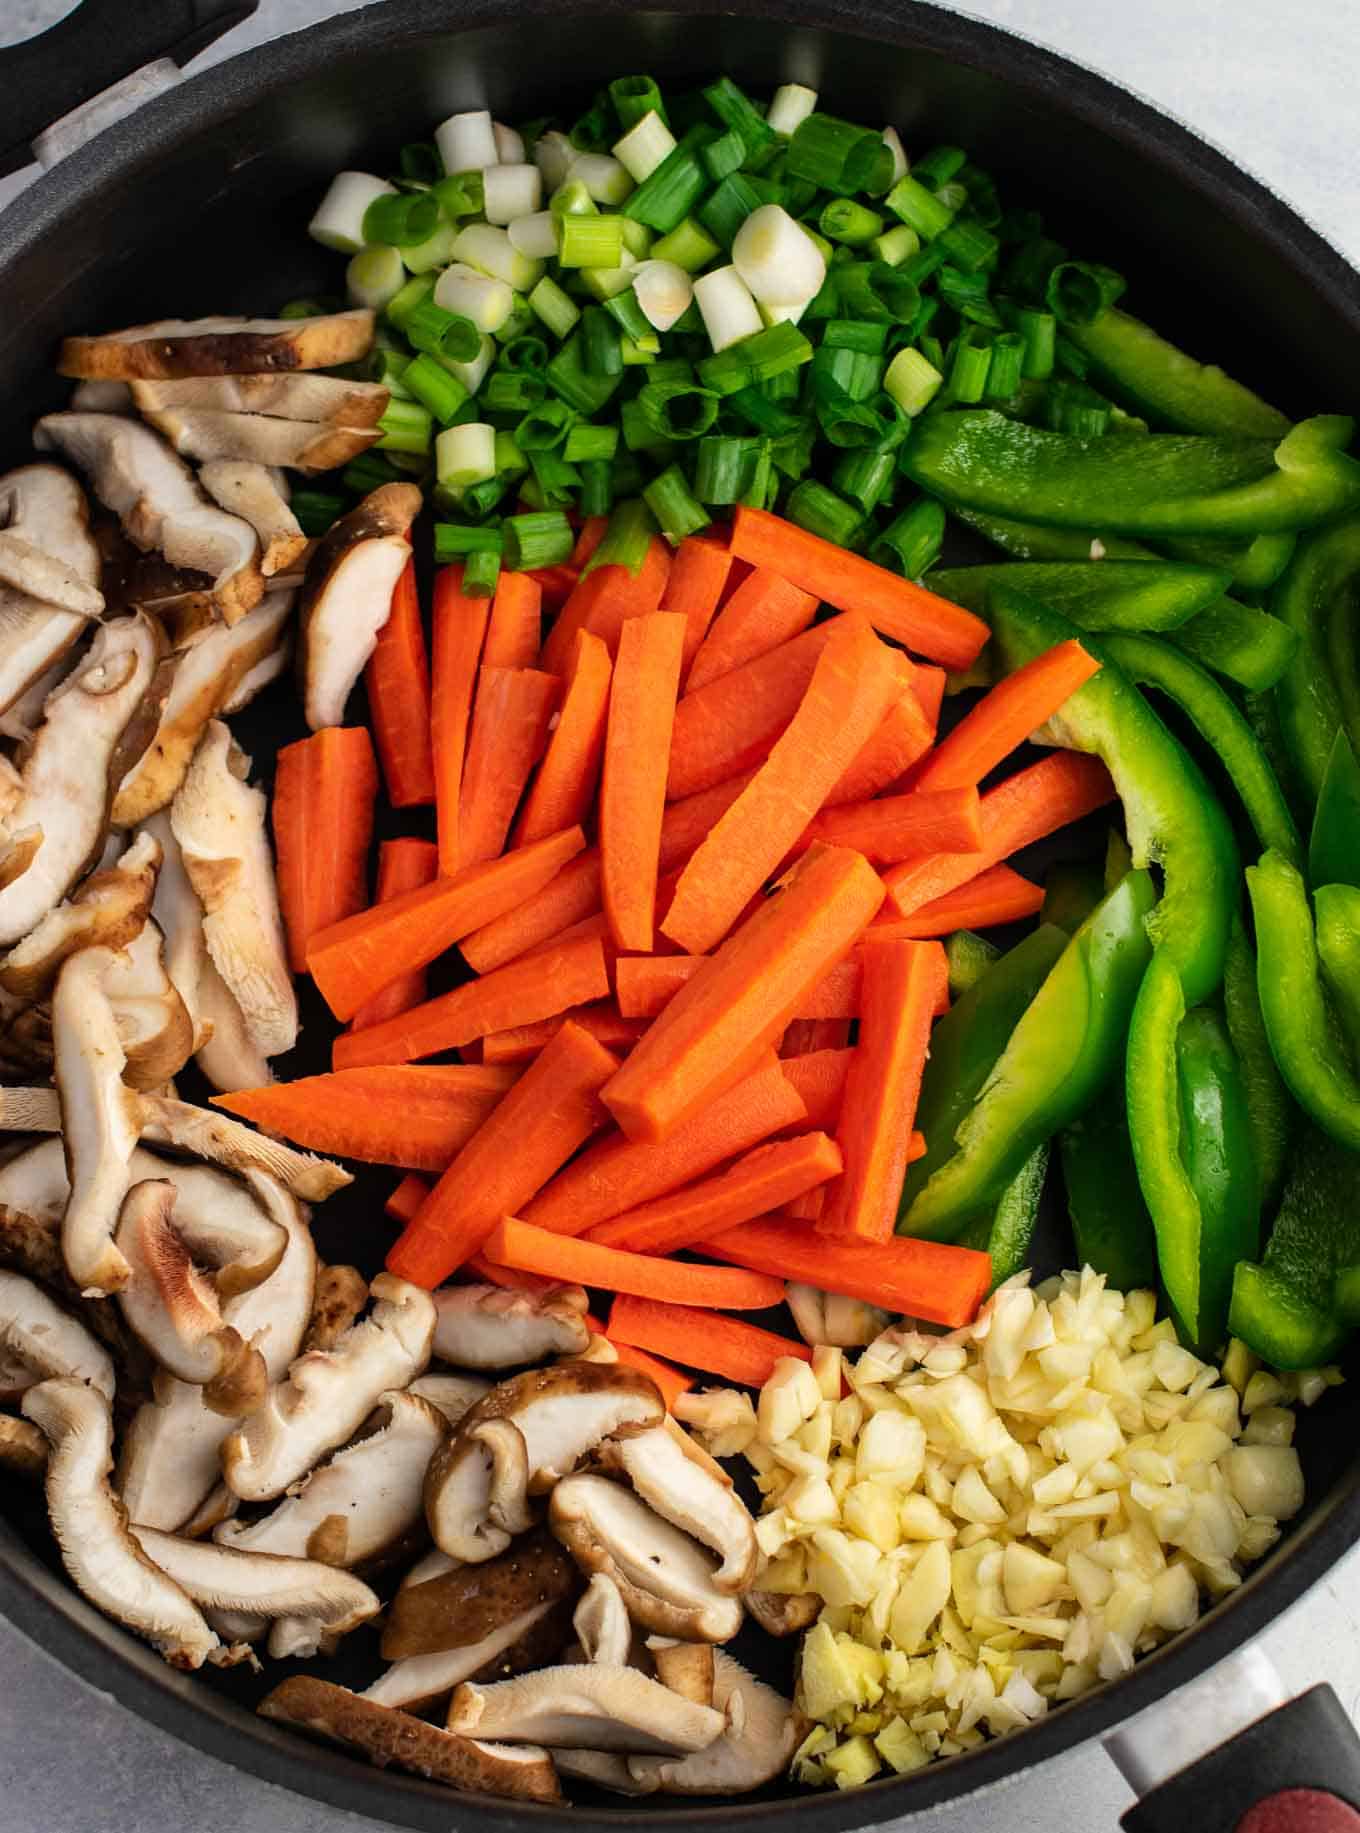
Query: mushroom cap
<point>536,1636</point>
<point>153,1022</point>
<point>783,1614</point>
<point>678,1485</point>
<point>261,1584</point>
<point>219,346</point>
<point>580,1706</point>
<point>260,439</point>
<point>505,1327</point>
<point>341,1294</point>
<point>328,400</point>
<point>469,1603</point>
<point>23,1448</point>
<point>106,911</point>
<point>685,1667</point>
<point>48,1340</point>
<point>347,596</point>
<point>757,1745</point>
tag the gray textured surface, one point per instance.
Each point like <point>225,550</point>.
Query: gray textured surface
<point>1275,89</point>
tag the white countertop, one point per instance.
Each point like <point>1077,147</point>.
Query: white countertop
<point>1275,88</point>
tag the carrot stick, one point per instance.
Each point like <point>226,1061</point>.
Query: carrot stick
<point>407,1198</point>
<point>1059,789</point>
<point>902,827</point>
<point>551,1111</point>
<point>561,792</point>
<point>459,631</point>
<point>538,1250</point>
<point>589,536</point>
<point>699,572</point>
<point>570,975</point>
<point>633,778</point>
<point>643,984</point>
<point>602,1021</point>
<point>726,1346</point>
<point>922,1279</point>
<point>603,601</point>
<point>752,1186</point>
<point>904,735</point>
<point>416,1127</point>
<point>763,612</point>
<point>555,584</point>
<point>819,1079</point>
<point>672,1382</point>
<point>515,628</point>
<point>398,682</point>
<point>491,1273</point>
<point>352,960</point>
<point>995,896</point>
<point>747,993</point>
<point>836,994</point>
<point>617,1174</point>
<point>902,982</point>
<point>1005,717</point>
<point>928,685</point>
<point>324,790</point>
<point>509,730</point>
<point>686,823</point>
<point>573,894</point>
<point>806,1036</point>
<point>403,865</point>
<point>900,609</point>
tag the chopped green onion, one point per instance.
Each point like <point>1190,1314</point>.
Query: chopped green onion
<point>510,461</point>
<point>374,277</point>
<point>968,245</point>
<point>512,192</point>
<point>725,467</point>
<point>467,141</point>
<point>439,332</point>
<point>896,245</point>
<point>534,235</point>
<point>919,208</point>
<point>586,444</point>
<point>312,308</point>
<point>525,352</point>
<point>553,308</point>
<point>792,104</point>
<point>780,259</point>
<point>569,378</point>
<point>1072,407</point>
<point>538,540</point>
<point>596,495</point>
<point>481,298</point>
<point>455,540</point>
<point>1070,357</point>
<point>626,539</point>
<point>855,334</point>
<point>678,410</point>
<point>516,324</point>
<point>315,510</point>
<point>512,391</point>
<point>677,510</point>
<point>646,145</point>
<point>465,455</point>
<point>420,160</point>
<point>969,360</point>
<point>839,155</point>
<point>603,176</point>
<point>952,196</point>
<point>938,166</point>
<point>726,306</point>
<point>738,113</point>
<point>728,153</point>
<point>472,374</point>
<point>635,97</point>
<point>665,198</point>
<point>434,252</point>
<point>368,472</point>
<point>636,352</point>
<point>572,199</point>
<point>628,315</point>
<point>1038,330</point>
<point>544,428</point>
<point>417,289</point>
<point>844,220</point>
<point>460,195</point>
<point>871,289</point>
<point>821,512</point>
<point>602,283</point>
<point>481,573</point>
<point>1077,291</point>
<point>442,393</point>
<point>856,373</point>
<point>688,245</point>
<point>1026,273</point>
<point>593,128</point>
<point>401,219</point>
<point>1006,367</point>
<point>846,422</point>
<point>406,426</point>
<point>637,239</point>
<point>489,249</point>
<point>865,477</point>
<point>757,358</point>
<point>600,348</point>
<point>556,481</point>
<point>727,207</point>
<point>912,381</point>
<point>911,542</point>
<point>967,294</point>
<point>766,416</point>
<point>638,433</point>
<point>591,241</point>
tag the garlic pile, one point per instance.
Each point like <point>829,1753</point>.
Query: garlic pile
<point>1004,1516</point>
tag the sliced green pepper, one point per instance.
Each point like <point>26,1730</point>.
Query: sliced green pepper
<point>1110,1222</point>
<point>1248,646</point>
<point>1072,889</point>
<point>1317,587</point>
<point>1298,1023</point>
<point>1254,564</point>
<point>1172,815</point>
<point>1334,844</point>
<point>1269,1109</point>
<point>1097,594</point>
<point>1144,372</point>
<point>1144,484</point>
<point>1223,729</point>
<point>969,957</point>
<point>1061,1052</point>
<point>1118,858</point>
<point>1338,945</point>
<point>1006,1234</point>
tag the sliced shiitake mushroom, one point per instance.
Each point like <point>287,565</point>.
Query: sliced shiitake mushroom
<point>261,439</point>
<point>529,1640</point>
<point>757,1744</point>
<point>107,910</point>
<point>675,1478</point>
<point>341,1294</point>
<point>48,1340</point>
<point>256,493</point>
<point>44,508</point>
<point>502,1327</point>
<point>261,1584</point>
<point>347,597</point>
<point>326,400</point>
<point>469,1603</point>
<point>23,1449</point>
<point>219,347</point>
<point>582,1706</point>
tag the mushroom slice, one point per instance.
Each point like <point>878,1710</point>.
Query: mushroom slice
<point>501,1327</point>
<point>328,1394</point>
<point>16,1378</point>
<point>465,1605</point>
<point>260,439</point>
<point>205,675</point>
<point>603,1768</point>
<point>49,1340</point>
<point>390,1738</point>
<point>560,1414</point>
<point>325,400</point>
<point>580,1706</point>
<point>27,569</point>
<point>153,1022</point>
<point>107,911</point>
<point>102,398</point>
<point>64,799</point>
<point>454,1395</point>
<point>253,683</point>
<point>23,1448</point>
<point>97,1547</point>
<point>341,1294</point>
<point>537,1635</point>
<point>347,596</point>
<point>667,1579</point>
<point>602,1624</point>
<point>433,1564</point>
<point>43,509</point>
<point>218,346</point>
<point>685,1667</point>
<point>781,1613</point>
<point>756,1746</point>
<point>680,1487</point>
<point>252,491</point>
<point>22,717</point>
<point>261,1584</point>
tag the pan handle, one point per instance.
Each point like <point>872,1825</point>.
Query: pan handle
<point>95,48</point>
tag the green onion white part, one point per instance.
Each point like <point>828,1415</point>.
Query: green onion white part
<point>373,277</point>
<point>467,142</point>
<point>791,105</point>
<point>465,455</point>
<point>912,381</point>
<point>487,302</point>
<point>893,141</point>
<point>553,155</point>
<point>339,221</point>
<point>534,236</point>
<point>606,180</point>
<point>490,250</point>
<point>777,259</point>
<point>727,307</point>
<point>664,292</point>
<point>511,191</point>
<point>644,147</point>
<point>509,144</point>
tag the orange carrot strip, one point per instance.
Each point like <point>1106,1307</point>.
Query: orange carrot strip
<point>836,994</point>
<point>699,572</point>
<point>995,896</point>
<point>900,609</point>
<point>324,790</point>
<point>806,1036</point>
<point>403,865</point>
<point>398,682</point>
<point>551,1111</point>
<point>819,1078</point>
<point>672,1382</point>
<point>1056,791</point>
<point>633,778</point>
<point>589,536</point>
<point>515,628</point>
<point>491,1273</point>
<point>902,827</point>
<point>601,603</point>
<point>509,730</point>
<point>923,1279</point>
<point>809,1206</point>
<point>561,792</point>
<point>905,735</point>
<point>538,1250</point>
<point>752,1186</point>
<point>763,612</point>
<point>555,584</point>
<point>1005,717</point>
<point>617,1174</point>
<point>602,1021</point>
<point>928,685</point>
<point>902,983</point>
<point>517,994</point>
<point>686,823</point>
<point>407,1198</point>
<point>573,894</point>
<point>726,1346</point>
<point>350,961</point>
<point>643,984</point>
<point>459,631</point>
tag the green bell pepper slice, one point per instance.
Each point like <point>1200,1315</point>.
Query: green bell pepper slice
<point>1072,889</point>
<point>1065,1047</point>
<point>1334,844</point>
<point>1317,588</point>
<point>1110,1222</point>
<point>1172,815</point>
<point>1006,1234</point>
<point>1253,564</point>
<point>1143,484</point>
<point>1097,594</point>
<point>1248,646</point>
<point>1270,1110</point>
<point>1298,1022</point>
<point>1337,908</point>
<point>969,957</point>
<point>1129,361</point>
<point>1152,664</point>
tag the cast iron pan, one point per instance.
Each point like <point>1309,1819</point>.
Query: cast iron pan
<point>198,204</point>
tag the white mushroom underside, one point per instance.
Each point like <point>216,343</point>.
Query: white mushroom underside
<point>419,1678</point>
<point>757,1745</point>
<point>580,1706</point>
<point>261,1584</point>
<point>47,1340</point>
<point>495,1327</point>
<point>350,610</point>
<point>679,1488</point>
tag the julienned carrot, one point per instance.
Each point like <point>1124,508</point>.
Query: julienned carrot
<point>726,1346</point>
<point>555,584</point>
<point>908,613</point>
<point>928,685</point>
<point>901,986</point>
<point>419,1127</point>
<point>509,730</point>
<point>350,961</point>
<point>538,1250</point>
<point>806,1036</point>
<point>459,632</point>
<point>398,682</point>
<point>550,1111</point>
<point>324,790</point>
<point>901,827</point>
<point>686,823</point>
<point>517,994</point>
<point>763,1180</point>
<point>602,601</point>
<point>836,994</point>
<point>491,1273</point>
<point>589,536</point>
<point>1005,717</point>
<point>747,993</point>
<point>633,778</point>
<point>1056,791</point>
<point>850,690</point>
<point>572,895</point>
<point>617,1174</point>
<point>763,612</point>
<point>998,895</point>
<point>905,735</point>
<point>603,1021</point>
<point>809,1206</point>
<point>819,1078</point>
<point>564,784</point>
<point>403,865</point>
<point>672,1382</point>
<point>407,1198</point>
<point>515,629</point>
<point>923,1279</point>
<point>643,984</point>
<point>729,725</point>
<point>699,572</point>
